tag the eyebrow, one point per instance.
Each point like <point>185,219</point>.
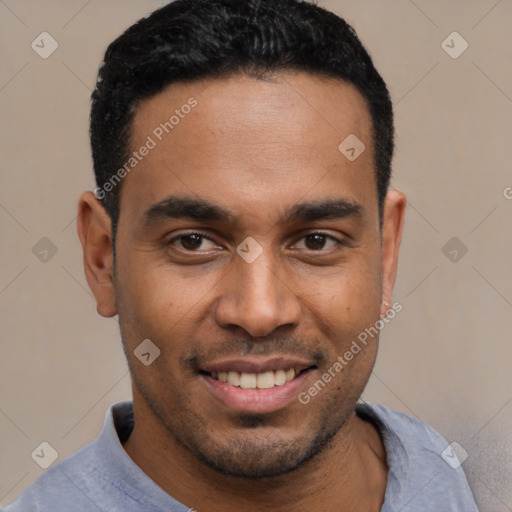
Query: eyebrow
<point>175,207</point>
<point>323,210</point>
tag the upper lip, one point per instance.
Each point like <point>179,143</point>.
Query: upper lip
<point>257,365</point>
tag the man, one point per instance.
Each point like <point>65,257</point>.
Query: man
<point>243,231</point>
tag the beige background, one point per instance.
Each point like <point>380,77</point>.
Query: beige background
<point>444,359</point>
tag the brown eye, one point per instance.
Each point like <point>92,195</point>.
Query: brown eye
<point>315,241</point>
<point>191,242</point>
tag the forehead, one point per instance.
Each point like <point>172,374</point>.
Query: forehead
<point>276,139</point>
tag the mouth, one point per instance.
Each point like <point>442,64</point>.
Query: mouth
<point>264,380</point>
<point>253,386</point>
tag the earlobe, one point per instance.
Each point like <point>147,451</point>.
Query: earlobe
<point>95,233</point>
<point>392,229</point>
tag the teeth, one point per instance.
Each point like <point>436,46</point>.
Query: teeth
<point>234,378</point>
<point>247,380</point>
<point>290,374</point>
<point>265,380</point>
<point>279,377</point>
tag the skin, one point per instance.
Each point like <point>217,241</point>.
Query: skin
<point>256,148</point>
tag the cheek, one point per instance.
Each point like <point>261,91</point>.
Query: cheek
<point>347,300</point>
<point>354,285</point>
<point>156,302</point>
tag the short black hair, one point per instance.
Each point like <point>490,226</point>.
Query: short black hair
<point>189,40</point>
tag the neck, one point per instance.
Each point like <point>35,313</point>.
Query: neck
<point>350,474</point>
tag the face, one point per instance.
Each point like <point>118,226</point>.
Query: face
<point>248,250</point>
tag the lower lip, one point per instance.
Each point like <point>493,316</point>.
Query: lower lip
<point>257,401</point>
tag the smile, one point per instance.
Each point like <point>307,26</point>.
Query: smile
<point>256,386</point>
<point>264,380</point>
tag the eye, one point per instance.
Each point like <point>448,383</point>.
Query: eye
<point>193,242</point>
<point>317,242</point>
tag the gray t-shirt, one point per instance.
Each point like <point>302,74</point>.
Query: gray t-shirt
<point>102,477</point>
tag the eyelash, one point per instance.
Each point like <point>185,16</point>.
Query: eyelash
<point>206,237</point>
<point>192,233</point>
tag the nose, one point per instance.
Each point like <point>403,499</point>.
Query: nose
<point>257,299</point>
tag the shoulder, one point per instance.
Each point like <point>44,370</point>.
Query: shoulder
<point>413,434</point>
<point>56,488</point>
<point>424,469</point>
<point>79,481</point>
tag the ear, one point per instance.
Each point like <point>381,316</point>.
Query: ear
<point>392,228</point>
<point>95,233</point>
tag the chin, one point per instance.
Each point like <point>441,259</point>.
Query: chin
<point>258,455</point>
